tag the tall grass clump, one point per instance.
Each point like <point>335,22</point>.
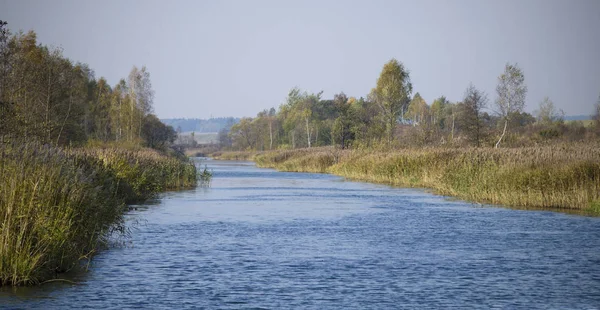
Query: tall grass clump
<point>145,172</point>
<point>58,207</point>
<point>55,210</point>
<point>566,176</point>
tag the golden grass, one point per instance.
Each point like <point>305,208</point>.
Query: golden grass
<point>58,206</point>
<point>565,176</point>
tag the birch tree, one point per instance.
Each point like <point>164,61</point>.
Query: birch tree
<point>141,96</point>
<point>392,93</point>
<point>511,92</point>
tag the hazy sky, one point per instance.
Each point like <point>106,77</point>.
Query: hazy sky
<point>235,58</point>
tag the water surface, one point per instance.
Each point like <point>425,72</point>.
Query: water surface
<point>261,239</point>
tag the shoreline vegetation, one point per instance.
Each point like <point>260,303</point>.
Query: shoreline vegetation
<point>59,206</point>
<point>73,152</point>
<point>476,148</point>
<point>559,177</point>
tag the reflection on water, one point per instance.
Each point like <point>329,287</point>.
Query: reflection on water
<point>264,239</point>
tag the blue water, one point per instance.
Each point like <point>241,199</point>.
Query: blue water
<point>261,239</point>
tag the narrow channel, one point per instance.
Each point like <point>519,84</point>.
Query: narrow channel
<point>262,239</point>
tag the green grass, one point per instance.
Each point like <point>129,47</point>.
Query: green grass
<point>58,207</point>
<point>564,177</point>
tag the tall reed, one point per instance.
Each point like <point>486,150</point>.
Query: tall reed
<point>58,206</point>
<point>566,176</point>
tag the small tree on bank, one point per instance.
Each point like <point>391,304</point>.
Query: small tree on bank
<point>472,116</point>
<point>511,92</point>
<point>547,113</point>
<point>392,93</point>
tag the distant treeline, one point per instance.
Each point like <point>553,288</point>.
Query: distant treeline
<point>47,97</point>
<point>392,116</point>
<point>201,125</point>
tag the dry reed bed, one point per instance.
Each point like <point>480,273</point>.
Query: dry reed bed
<point>58,207</point>
<point>566,177</point>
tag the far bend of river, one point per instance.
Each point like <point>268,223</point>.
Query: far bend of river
<point>261,239</point>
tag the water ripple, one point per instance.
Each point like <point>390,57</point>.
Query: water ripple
<point>259,239</point>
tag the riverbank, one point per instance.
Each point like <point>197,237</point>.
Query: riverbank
<point>553,177</point>
<point>59,206</point>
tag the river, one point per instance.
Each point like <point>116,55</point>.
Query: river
<point>261,239</point>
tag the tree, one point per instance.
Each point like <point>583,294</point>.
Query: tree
<point>224,138</point>
<point>438,108</point>
<point>451,110</point>
<point>511,92</point>
<point>392,93</point>
<point>156,134</point>
<point>46,97</point>
<point>417,110</point>
<point>4,56</point>
<point>297,113</point>
<point>472,117</point>
<point>271,118</point>
<point>101,106</point>
<point>242,134</point>
<point>141,98</point>
<point>119,99</point>
<point>547,113</point>
<point>343,122</point>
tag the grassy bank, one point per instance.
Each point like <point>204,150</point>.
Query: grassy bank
<point>565,177</point>
<point>58,207</point>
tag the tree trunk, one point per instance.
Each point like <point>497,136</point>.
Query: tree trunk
<point>317,136</point>
<point>307,132</point>
<point>343,138</point>
<point>66,118</point>
<point>453,126</point>
<point>120,120</point>
<point>47,120</point>
<point>391,129</point>
<point>271,135</point>
<point>503,132</point>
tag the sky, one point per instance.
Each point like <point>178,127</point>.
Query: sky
<point>236,58</point>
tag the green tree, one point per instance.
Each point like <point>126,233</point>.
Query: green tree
<point>472,117</point>
<point>141,98</point>
<point>118,111</point>
<point>242,134</point>
<point>418,110</point>
<point>438,108</point>
<point>297,115</point>
<point>156,134</point>
<point>342,125</point>
<point>511,92</point>
<point>547,113</point>
<point>392,93</point>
